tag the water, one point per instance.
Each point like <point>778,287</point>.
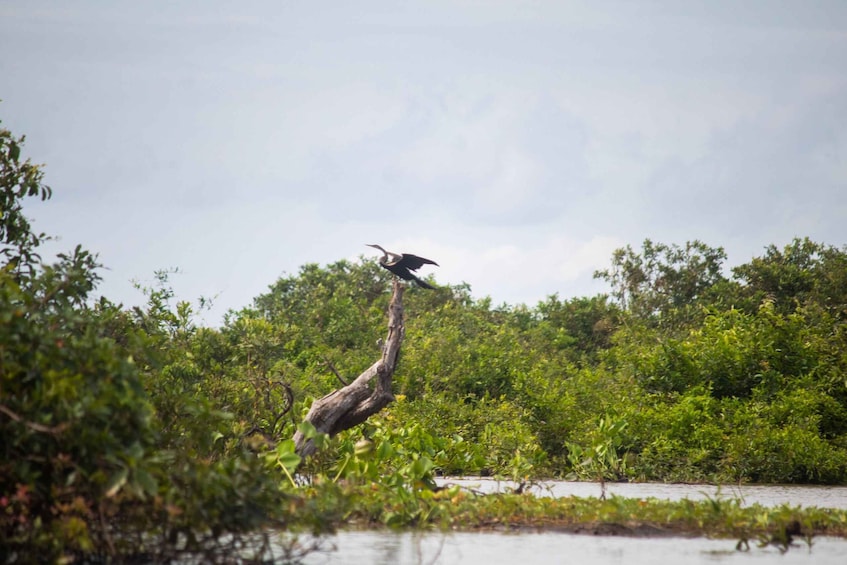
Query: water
<point>492,548</point>
<point>488,548</point>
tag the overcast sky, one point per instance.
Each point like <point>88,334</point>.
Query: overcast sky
<point>516,143</point>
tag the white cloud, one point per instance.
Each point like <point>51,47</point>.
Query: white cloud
<point>513,185</point>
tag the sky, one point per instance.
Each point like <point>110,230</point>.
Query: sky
<point>516,143</point>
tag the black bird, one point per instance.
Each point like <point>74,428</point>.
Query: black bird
<point>402,265</point>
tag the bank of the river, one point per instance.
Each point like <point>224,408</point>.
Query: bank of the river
<point>481,520</point>
<point>467,518</point>
<point>821,496</point>
<point>458,507</point>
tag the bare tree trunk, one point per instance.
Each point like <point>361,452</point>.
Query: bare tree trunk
<point>350,406</point>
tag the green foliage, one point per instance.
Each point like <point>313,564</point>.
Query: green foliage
<point>664,284</point>
<point>581,327</point>
<point>491,437</point>
<point>682,438</point>
<point>734,353</point>
<point>603,460</point>
<point>466,351</point>
<point>322,315</point>
<point>802,274</point>
<point>76,425</point>
<point>779,440</point>
<point>18,180</point>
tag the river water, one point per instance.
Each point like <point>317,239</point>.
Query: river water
<point>488,548</point>
<point>491,548</point>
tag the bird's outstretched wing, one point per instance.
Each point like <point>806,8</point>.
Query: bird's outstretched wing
<point>414,262</point>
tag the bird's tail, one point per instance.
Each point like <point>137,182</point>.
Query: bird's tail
<point>422,283</point>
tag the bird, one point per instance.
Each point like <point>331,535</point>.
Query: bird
<point>402,265</point>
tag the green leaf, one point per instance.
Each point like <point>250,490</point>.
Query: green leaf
<point>146,481</point>
<point>289,461</point>
<point>308,430</point>
<point>384,451</point>
<point>392,519</point>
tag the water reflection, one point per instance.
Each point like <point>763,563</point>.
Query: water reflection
<point>489,548</point>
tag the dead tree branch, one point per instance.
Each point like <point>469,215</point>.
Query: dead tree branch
<point>371,391</point>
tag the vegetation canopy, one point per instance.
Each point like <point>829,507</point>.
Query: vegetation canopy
<point>135,433</point>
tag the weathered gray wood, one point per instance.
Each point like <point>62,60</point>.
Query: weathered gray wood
<point>371,391</point>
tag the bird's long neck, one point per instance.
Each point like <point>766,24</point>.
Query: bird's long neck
<point>384,258</point>
<point>387,256</point>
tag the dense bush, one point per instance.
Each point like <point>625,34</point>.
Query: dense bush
<point>680,376</point>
